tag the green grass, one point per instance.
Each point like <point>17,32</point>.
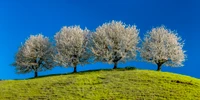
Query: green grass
<point>107,84</point>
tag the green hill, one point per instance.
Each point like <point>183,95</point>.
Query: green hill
<point>109,85</point>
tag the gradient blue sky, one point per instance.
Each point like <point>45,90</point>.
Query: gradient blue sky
<point>21,18</point>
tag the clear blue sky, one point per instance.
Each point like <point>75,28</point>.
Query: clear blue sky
<point>21,18</point>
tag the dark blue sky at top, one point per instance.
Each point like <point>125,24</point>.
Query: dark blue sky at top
<point>21,18</point>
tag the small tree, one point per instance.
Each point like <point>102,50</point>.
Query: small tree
<point>72,47</point>
<point>163,46</point>
<point>35,55</point>
<point>115,42</point>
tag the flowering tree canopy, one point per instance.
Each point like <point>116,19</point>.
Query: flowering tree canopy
<point>35,55</point>
<point>163,46</point>
<point>115,42</point>
<point>72,46</point>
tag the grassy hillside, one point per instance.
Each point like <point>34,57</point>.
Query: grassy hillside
<point>109,85</point>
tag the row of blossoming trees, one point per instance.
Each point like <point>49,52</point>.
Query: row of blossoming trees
<point>113,42</point>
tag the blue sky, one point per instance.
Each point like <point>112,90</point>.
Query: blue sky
<point>21,18</point>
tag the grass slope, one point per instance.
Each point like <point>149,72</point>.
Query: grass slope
<point>109,85</point>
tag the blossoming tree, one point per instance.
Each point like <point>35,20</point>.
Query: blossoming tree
<point>36,54</point>
<point>115,42</point>
<point>163,47</point>
<point>72,47</point>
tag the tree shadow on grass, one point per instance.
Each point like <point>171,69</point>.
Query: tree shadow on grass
<point>83,72</point>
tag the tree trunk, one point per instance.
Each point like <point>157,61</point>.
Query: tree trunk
<point>75,69</point>
<point>115,65</point>
<point>159,67</point>
<point>36,74</point>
